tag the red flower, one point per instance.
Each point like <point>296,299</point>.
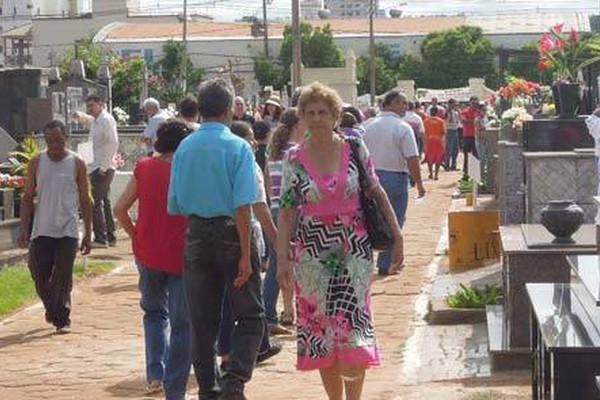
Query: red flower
<point>574,36</point>
<point>558,28</point>
<point>542,66</point>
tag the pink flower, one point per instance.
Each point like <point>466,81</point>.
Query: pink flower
<point>546,44</point>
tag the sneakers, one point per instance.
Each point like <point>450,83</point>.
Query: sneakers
<point>112,243</point>
<point>277,329</point>
<point>99,245</point>
<point>271,352</point>
<point>153,387</point>
<point>63,330</point>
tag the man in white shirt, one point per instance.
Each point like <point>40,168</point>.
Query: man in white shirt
<point>156,116</point>
<point>105,143</point>
<point>392,145</point>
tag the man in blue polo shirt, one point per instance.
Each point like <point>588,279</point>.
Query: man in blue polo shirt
<point>212,182</point>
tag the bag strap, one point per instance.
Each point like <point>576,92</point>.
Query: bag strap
<point>363,177</point>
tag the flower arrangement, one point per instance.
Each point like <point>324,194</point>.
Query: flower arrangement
<point>121,116</point>
<point>515,116</point>
<point>11,181</point>
<point>560,53</point>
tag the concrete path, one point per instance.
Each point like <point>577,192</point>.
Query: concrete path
<point>103,358</point>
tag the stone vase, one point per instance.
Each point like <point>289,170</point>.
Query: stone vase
<point>562,218</point>
<point>567,98</point>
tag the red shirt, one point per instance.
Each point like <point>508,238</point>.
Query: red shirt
<point>159,238</point>
<point>469,113</point>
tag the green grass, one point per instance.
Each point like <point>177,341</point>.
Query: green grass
<point>17,289</point>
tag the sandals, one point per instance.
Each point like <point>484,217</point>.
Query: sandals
<point>286,319</point>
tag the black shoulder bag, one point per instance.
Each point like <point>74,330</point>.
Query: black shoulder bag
<point>378,228</point>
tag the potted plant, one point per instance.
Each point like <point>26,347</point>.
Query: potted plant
<point>562,54</point>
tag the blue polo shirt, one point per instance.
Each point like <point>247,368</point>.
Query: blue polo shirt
<point>212,173</point>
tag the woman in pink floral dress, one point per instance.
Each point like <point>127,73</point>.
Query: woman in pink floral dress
<point>333,261</point>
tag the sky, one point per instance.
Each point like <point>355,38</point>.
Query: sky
<point>229,10</point>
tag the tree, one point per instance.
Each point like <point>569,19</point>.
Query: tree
<point>127,79</point>
<point>318,51</point>
<point>453,56</point>
<point>386,70</point>
<point>268,72</point>
<point>88,51</point>
<point>174,53</point>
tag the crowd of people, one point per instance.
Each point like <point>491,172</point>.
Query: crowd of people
<point>225,194</point>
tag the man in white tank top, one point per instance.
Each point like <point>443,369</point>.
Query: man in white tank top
<point>57,179</point>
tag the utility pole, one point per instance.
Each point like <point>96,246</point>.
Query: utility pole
<point>296,45</point>
<point>185,48</point>
<point>265,29</point>
<point>372,52</point>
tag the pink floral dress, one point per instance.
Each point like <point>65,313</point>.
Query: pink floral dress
<point>333,262</point>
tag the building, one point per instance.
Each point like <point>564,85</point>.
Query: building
<point>57,24</point>
<point>309,9</point>
<point>350,8</point>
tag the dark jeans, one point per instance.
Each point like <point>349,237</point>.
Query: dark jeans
<point>451,148</point>
<point>468,147</point>
<point>102,218</point>
<point>51,265</point>
<point>212,255</point>
<point>226,331</point>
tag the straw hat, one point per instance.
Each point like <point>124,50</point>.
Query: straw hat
<point>274,100</point>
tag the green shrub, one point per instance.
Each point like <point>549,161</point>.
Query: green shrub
<point>472,297</point>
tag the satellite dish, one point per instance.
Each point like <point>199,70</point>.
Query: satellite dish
<point>395,13</point>
<point>324,14</point>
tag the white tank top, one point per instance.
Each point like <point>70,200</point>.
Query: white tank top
<point>57,207</point>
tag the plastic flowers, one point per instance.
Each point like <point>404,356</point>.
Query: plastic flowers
<point>518,87</point>
<point>559,53</point>
<point>11,181</point>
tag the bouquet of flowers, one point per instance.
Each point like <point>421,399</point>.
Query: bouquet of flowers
<point>119,160</point>
<point>518,88</point>
<point>515,116</point>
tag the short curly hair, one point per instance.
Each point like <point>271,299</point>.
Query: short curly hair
<point>316,91</point>
<point>170,133</point>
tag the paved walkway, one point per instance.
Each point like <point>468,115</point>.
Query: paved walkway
<point>103,358</point>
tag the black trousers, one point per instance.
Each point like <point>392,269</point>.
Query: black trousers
<point>51,265</point>
<point>212,256</point>
<point>102,218</point>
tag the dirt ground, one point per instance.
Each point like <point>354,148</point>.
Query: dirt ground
<point>103,357</point>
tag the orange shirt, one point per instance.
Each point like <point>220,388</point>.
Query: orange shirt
<point>435,127</point>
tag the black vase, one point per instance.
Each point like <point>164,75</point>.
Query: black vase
<point>567,99</point>
<point>562,218</point>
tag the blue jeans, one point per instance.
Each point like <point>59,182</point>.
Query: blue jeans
<point>270,285</point>
<point>168,358</point>
<point>212,255</point>
<point>451,148</point>
<point>396,186</point>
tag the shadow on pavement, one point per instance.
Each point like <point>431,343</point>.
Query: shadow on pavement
<point>26,337</point>
<point>110,289</point>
